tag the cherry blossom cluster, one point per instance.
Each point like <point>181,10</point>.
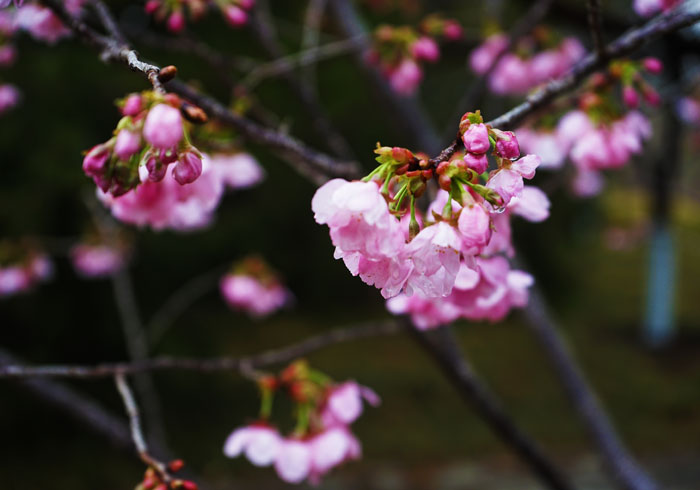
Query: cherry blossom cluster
<point>535,60</point>
<point>22,267</point>
<point>381,236</point>
<point>166,204</point>
<point>234,12</point>
<point>647,8</point>
<point>94,258</point>
<point>599,135</point>
<point>400,51</point>
<point>151,134</point>
<point>39,21</point>
<point>156,478</point>
<point>253,287</point>
<point>322,438</point>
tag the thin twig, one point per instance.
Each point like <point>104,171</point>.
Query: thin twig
<point>622,46</point>
<point>442,347</point>
<point>311,35</point>
<point>263,28</point>
<point>267,358</point>
<point>471,98</point>
<point>595,24</point>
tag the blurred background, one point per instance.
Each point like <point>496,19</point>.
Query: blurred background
<point>590,258</point>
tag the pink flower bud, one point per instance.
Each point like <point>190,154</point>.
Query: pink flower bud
<point>188,168</point>
<point>653,65</point>
<point>630,97</point>
<point>426,49</point>
<point>128,143</point>
<point>8,54</point>
<point>9,97</point>
<point>132,105</point>
<point>246,4</point>
<point>176,21</point>
<point>152,6</point>
<point>478,163</point>
<point>95,162</point>
<point>163,127</point>
<point>652,97</point>
<point>453,31</point>
<point>235,16</point>
<point>476,139</point>
<point>156,169</point>
<point>508,149</point>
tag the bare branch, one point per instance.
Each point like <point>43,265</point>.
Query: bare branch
<point>622,46</point>
<point>264,359</point>
<point>622,465</point>
<point>442,347</point>
<point>475,92</point>
<point>595,24</point>
<point>311,34</point>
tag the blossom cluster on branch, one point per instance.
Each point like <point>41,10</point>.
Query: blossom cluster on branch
<point>324,411</point>
<point>173,12</point>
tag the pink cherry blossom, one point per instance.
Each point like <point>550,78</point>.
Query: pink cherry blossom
<point>478,163</point>
<point>293,461</point>
<point>41,23</point>
<point>647,8</point>
<point>13,280</point>
<point>163,127</point>
<point>331,448</point>
<point>260,443</point>
<point>188,168</point>
<point>128,143</point>
<point>688,109</point>
<point>435,253</point>
<point>243,292</point>
<point>167,204</point>
<point>8,55</point>
<point>532,204</point>
<point>94,261</point>
<point>133,105</point>
<point>344,403</point>
<point>475,227</point>
<point>235,16</point>
<point>237,170</point>
<point>507,183</point>
<point>21,277</point>
<point>483,56</point>
<point>508,148</point>
<point>176,21</point>
<point>544,144</point>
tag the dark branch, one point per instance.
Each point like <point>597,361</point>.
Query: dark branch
<point>242,364</point>
<point>442,347</point>
<point>595,24</point>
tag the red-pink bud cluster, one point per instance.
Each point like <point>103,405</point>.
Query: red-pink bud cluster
<point>322,438</point>
<point>151,135</point>
<point>159,477</point>
<point>235,12</point>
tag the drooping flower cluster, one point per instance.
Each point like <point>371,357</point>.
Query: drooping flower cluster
<point>400,51</point>
<point>22,267</point>
<point>252,286</point>
<point>322,438</point>
<point>647,8</point>
<point>234,12</point>
<point>166,204</point>
<point>161,478</point>
<point>381,236</point>
<point>94,258</point>
<point>151,134</point>
<point>598,135</point>
<point>527,66</point>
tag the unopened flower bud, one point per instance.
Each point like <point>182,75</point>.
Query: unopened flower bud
<point>95,162</point>
<point>246,4</point>
<point>188,168</point>
<point>189,485</point>
<point>152,6</point>
<point>156,169</point>
<point>653,65</point>
<point>167,73</point>
<point>132,105</point>
<point>427,174</point>
<point>235,16</point>
<point>176,465</point>
<point>476,139</point>
<point>652,96</point>
<point>402,169</point>
<point>445,182</point>
<point>452,31</point>
<point>401,155</point>
<point>442,167</point>
<point>630,97</point>
<point>176,21</point>
<point>508,148</point>
<point>478,163</point>
<point>193,113</point>
<point>128,143</point>
<point>163,126</point>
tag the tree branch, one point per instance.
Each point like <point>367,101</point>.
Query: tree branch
<point>442,347</point>
<point>626,472</point>
<point>622,46</point>
<point>595,24</point>
<point>264,359</point>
